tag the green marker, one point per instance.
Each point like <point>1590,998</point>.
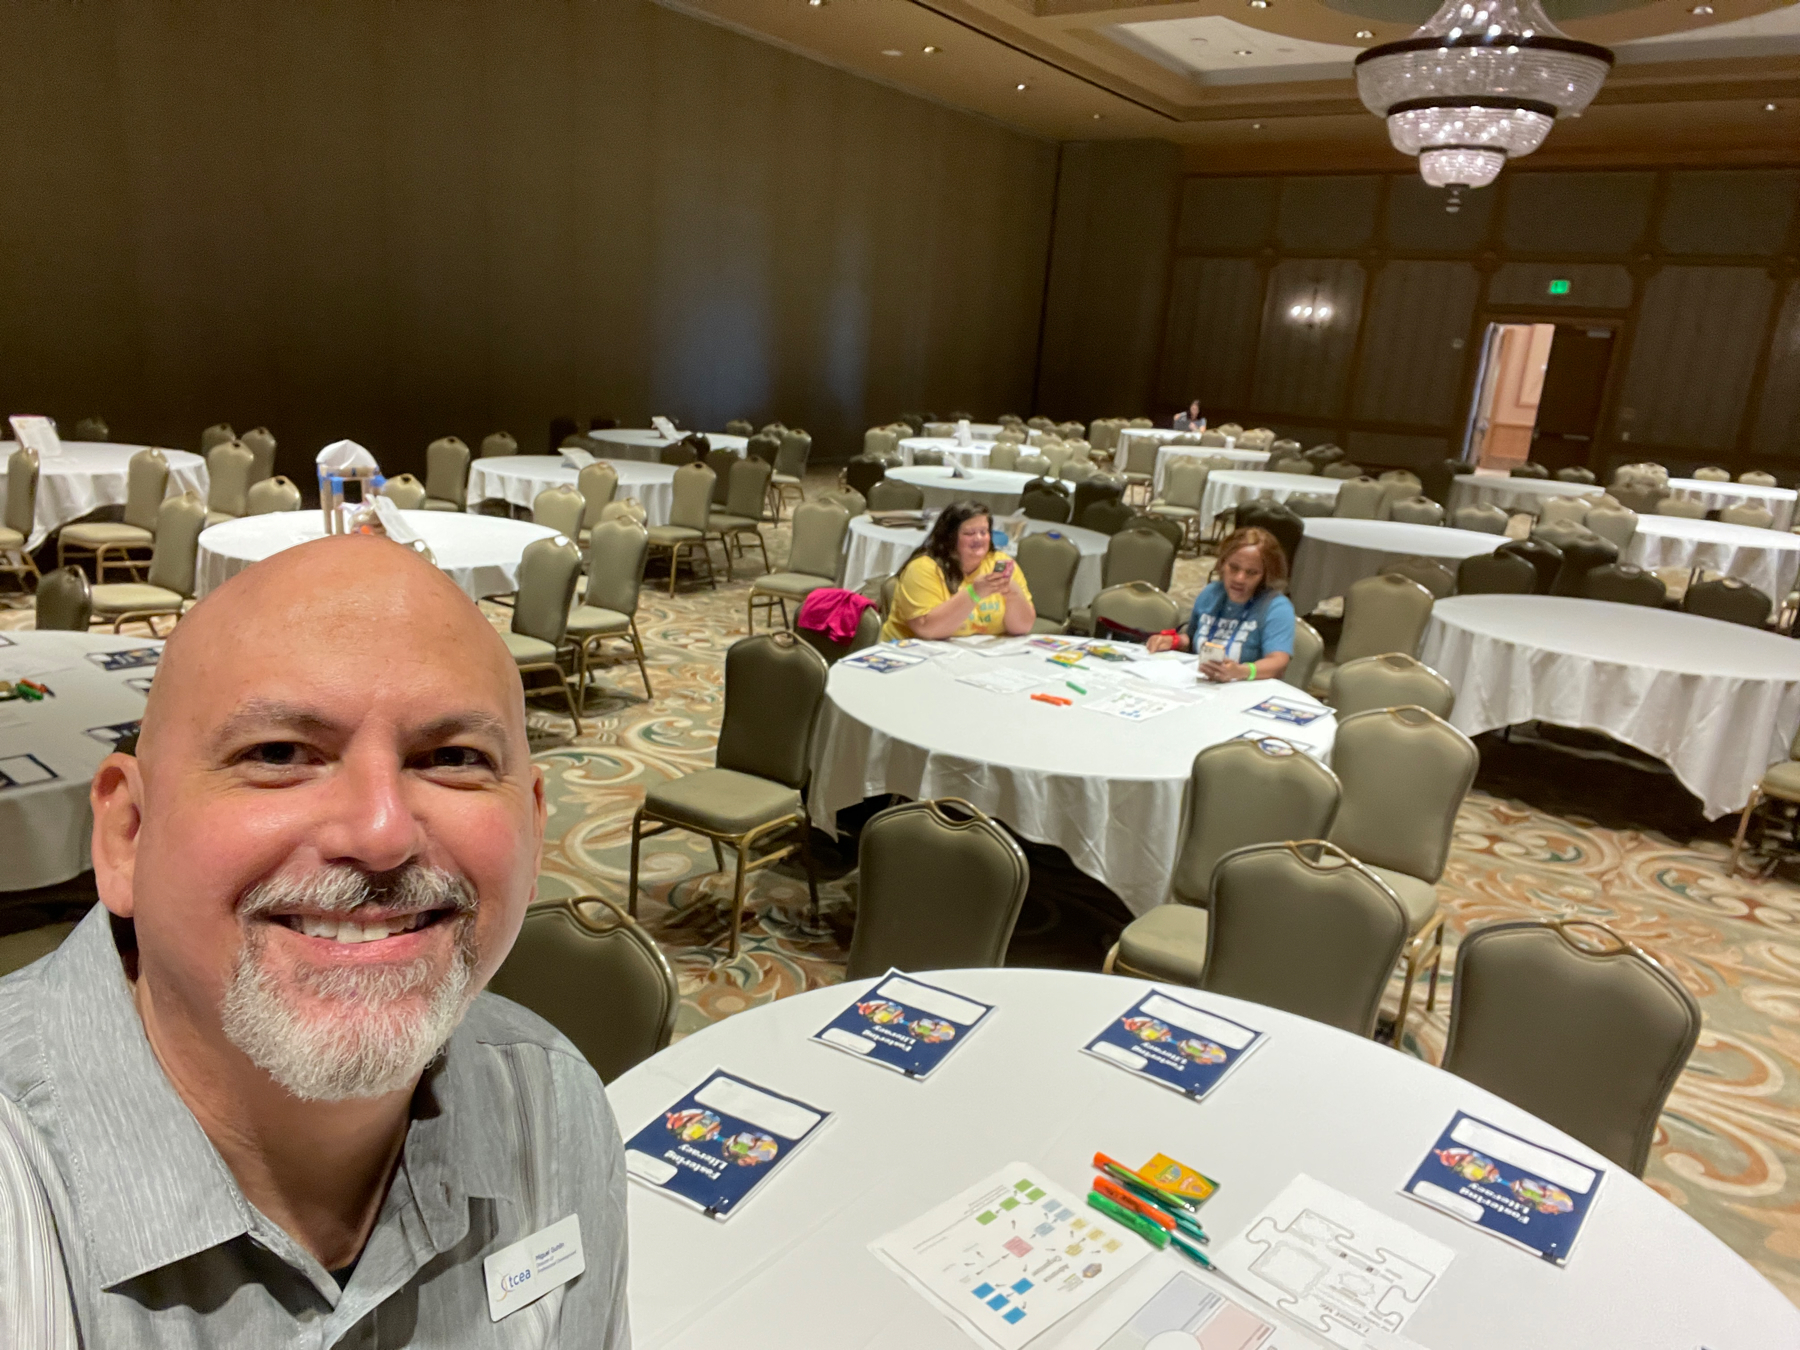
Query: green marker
<point>1152,1234</point>
<point>1077,688</point>
<point>1195,1253</point>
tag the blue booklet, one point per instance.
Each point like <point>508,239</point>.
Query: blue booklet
<point>1286,710</point>
<point>904,1024</point>
<point>716,1145</point>
<point>1493,1179</point>
<point>1175,1044</point>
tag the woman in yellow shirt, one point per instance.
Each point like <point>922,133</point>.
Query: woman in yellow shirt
<point>956,584</point>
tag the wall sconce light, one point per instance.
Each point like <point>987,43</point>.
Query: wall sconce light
<point>1314,313</point>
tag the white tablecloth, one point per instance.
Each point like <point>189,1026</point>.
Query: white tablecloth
<point>792,1271</point>
<point>1767,559</point>
<point>1512,494</point>
<point>519,478</point>
<point>1718,496</point>
<point>881,550</point>
<point>644,443</point>
<point>1105,790</point>
<point>1160,435</point>
<point>1250,459</point>
<point>90,474</point>
<point>45,826</point>
<point>969,456</point>
<point>1225,488</point>
<point>999,488</point>
<point>1334,553</point>
<point>480,553</point>
<point>1717,702</point>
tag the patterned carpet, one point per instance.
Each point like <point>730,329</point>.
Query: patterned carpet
<point>1544,834</point>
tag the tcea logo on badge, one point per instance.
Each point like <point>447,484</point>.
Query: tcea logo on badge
<point>524,1272</point>
<point>512,1281</point>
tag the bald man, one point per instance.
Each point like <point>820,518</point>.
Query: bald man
<point>258,1097</point>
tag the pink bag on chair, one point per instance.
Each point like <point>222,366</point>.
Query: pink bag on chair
<point>833,612</point>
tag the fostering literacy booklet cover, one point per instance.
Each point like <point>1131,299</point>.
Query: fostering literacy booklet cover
<point>719,1143</point>
<point>904,1024</point>
<point>1176,1044</point>
<point>1493,1179</point>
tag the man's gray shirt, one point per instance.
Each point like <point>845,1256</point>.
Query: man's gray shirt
<point>510,1132</point>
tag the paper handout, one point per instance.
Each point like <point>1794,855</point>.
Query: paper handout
<point>905,1025</point>
<point>39,434</point>
<point>1002,680</point>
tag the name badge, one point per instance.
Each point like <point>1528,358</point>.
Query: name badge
<point>529,1269</point>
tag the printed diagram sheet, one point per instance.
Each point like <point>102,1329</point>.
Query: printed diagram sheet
<point>1334,1265</point>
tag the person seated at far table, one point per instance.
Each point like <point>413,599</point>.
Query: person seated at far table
<point>956,584</point>
<point>1241,625</point>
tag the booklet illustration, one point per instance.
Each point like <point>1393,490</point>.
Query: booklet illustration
<point>905,1025</point>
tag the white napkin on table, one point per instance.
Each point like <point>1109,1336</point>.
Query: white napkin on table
<point>341,455</point>
<point>964,436</point>
<point>392,521</point>
<point>667,428</point>
<point>576,459</point>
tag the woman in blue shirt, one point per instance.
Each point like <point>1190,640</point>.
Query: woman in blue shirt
<point>1243,629</point>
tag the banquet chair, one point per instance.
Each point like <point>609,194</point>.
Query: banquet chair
<point>260,442</point>
<point>936,890</point>
<point>1078,471</point>
<point>878,441</point>
<point>63,601</point>
<point>1728,599</point>
<point>560,507</point>
<point>1561,533</point>
<point>774,684</point>
<point>1134,605</point>
<point>1108,515</point>
<point>1757,478</point>
<point>405,492</point>
<point>814,559</point>
<point>1324,454</point>
<point>272,495</point>
<point>1383,613</point>
<point>742,517</point>
<point>1495,574</point>
<point>1344,469</point>
<point>1690,508</point>
<point>1545,558</point>
<point>1306,504</point>
<point>862,473</point>
<point>92,429</point>
<point>940,430</point>
<point>498,445</point>
<point>890,494</point>
<point>1481,517</point>
<point>1036,464</point>
<point>1278,519</point>
<point>608,611</point>
<point>1239,793</point>
<point>548,570</point>
<point>1139,467</point>
<point>1359,499</point>
<point>1529,469</point>
<point>1302,926</point>
<point>1433,575</point>
<point>1624,584</point>
<point>590,970</point>
<point>1293,464</point>
<point>598,484</point>
<point>1712,473</point>
<point>849,498</point>
<point>1277,449</point>
<point>626,508</point>
<point>1643,498</point>
<point>146,484</point>
<point>1168,529</point>
<point>217,434</point>
<point>1100,488</point>
<point>1569,1021</point>
<point>1575,473</point>
<point>1391,680</point>
<point>1416,510</point>
<point>1780,783</point>
<point>867,634</point>
<point>1080,451</point>
<point>446,474</point>
<point>170,582</point>
<point>1309,648</point>
<point>1405,773</point>
<point>1048,562</point>
<point>927,457</point>
<point>1436,480</point>
<point>1749,513</point>
<point>690,516</point>
<point>721,462</point>
<point>1041,502</point>
<point>1058,455</point>
<point>1580,557</point>
<point>1613,523</point>
<point>1572,509</point>
<point>739,426</point>
<point>1397,484</point>
<point>1138,555</point>
<point>228,467</point>
<point>1138,423</point>
<point>790,471</point>
<point>1004,456</point>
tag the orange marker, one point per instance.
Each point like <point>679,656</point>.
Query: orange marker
<point>1126,1200</point>
<point>1051,699</point>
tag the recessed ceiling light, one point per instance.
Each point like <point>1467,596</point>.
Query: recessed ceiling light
<point>1364,33</point>
<point>1098,116</point>
<point>1243,51</point>
<point>1770,107</point>
<point>1256,126</point>
<point>1021,86</point>
<point>816,4</point>
<point>1259,4</point>
<point>892,51</point>
<point>933,51</point>
<point>1701,10</point>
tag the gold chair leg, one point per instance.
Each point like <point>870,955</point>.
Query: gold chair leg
<point>1437,966</point>
<point>674,567</point>
<point>718,856</point>
<point>638,647</point>
<point>806,861</point>
<point>569,694</point>
<point>737,900</point>
<point>1106,966</point>
<point>1743,829</point>
<point>631,893</point>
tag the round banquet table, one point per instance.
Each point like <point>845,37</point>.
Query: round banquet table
<point>1225,488</point>
<point>519,478</point>
<point>642,443</point>
<point>479,553</point>
<point>1718,496</point>
<point>1334,553</point>
<point>1717,702</point>
<point>1250,459</point>
<point>1512,494</point>
<point>969,456</point>
<point>45,820</point>
<point>1160,435</point>
<point>1105,790</point>
<point>793,1268</point>
<point>999,488</point>
<point>1767,559</point>
<point>91,474</point>
<point>882,550</point>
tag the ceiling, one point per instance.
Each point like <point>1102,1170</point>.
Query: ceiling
<point>1266,85</point>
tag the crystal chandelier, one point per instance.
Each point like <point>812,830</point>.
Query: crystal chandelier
<point>1477,85</point>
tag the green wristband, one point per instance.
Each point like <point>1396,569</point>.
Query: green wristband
<point>1252,674</point>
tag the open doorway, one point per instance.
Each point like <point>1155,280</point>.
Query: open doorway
<point>1538,394</point>
<point>1574,389</point>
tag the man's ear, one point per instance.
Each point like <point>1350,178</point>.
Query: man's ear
<point>117,796</point>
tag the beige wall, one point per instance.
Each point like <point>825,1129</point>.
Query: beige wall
<point>397,220</point>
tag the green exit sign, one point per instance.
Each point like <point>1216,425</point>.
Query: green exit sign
<point>1559,287</point>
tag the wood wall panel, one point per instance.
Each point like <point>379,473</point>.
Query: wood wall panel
<point>1302,369</point>
<point>1410,369</point>
<point>1215,308</point>
<point>1778,421</point>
